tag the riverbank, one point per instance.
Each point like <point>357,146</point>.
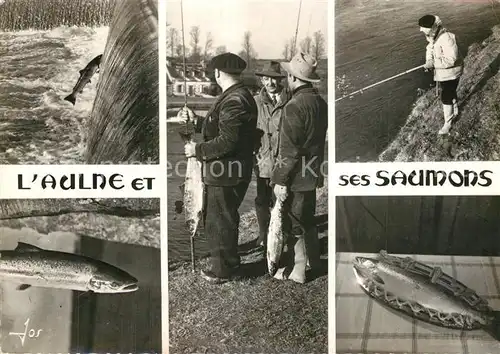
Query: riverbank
<point>257,313</point>
<point>475,134</point>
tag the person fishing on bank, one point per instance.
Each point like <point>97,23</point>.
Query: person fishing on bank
<point>298,168</point>
<point>227,153</point>
<point>270,102</point>
<point>443,56</point>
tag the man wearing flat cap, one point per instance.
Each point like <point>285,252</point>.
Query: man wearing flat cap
<point>227,149</point>
<point>270,102</point>
<point>299,166</point>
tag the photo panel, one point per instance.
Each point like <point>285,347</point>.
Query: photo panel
<point>417,274</point>
<point>79,82</point>
<point>247,238</point>
<point>413,78</point>
<point>80,276</point>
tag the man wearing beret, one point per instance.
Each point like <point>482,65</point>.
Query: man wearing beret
<point>443,56</point>
<point>270,102</point>
<point>228,130</point>
<point>298,169</point>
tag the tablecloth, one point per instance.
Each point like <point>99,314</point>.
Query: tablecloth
<point>365,326</point>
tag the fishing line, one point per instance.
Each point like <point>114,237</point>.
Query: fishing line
<point>297,27</point>
<point>184,58</point>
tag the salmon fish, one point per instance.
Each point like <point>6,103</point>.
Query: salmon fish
<point>85,76</point>
<point>30,265</point>
<point>275,238</point>
<point>425,293</point>
<point>192,190</point>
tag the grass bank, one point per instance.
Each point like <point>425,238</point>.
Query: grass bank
<point>475,134</point>
<point>254,314</point>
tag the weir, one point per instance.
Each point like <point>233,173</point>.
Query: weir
<point>123,126</point>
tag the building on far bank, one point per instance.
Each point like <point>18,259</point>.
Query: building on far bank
<point>197,82</point>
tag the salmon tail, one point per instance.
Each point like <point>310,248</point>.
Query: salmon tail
<point>494,328</point>
<point>70,98</point>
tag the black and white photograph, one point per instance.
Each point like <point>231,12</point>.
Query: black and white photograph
<point>416,80</point>
<point>247,123</point>
<point>79,82</point>
<point>80,276</point>
<point>417,274</point>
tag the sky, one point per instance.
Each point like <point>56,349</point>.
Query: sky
<point>271,22</point>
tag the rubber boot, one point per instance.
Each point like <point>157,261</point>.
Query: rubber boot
<point>448,117</point>
<point>298,273</point>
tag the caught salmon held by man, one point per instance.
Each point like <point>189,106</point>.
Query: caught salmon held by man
<point>85,77</point>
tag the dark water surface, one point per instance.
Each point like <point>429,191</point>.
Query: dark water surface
<point>377,39</point>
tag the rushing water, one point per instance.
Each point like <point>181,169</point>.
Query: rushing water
<point>377,39</point>
<point>37,70</point>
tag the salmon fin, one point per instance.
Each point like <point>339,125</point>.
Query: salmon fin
<point>23,287</point>
<point>494,328</point>
<point>182,188</point>
<point>81,72</point>
<point>26,247</point>
<point>179,206</point>
<point>70,98</point>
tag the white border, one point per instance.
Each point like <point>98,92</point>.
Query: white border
<point>162,62</point>
<point>331,181</point>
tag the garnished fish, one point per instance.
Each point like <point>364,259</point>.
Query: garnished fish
<point>425,293</point>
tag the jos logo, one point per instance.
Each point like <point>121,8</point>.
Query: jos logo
<point>31,333</point>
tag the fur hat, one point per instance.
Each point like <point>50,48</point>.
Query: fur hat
<point>427,21</point>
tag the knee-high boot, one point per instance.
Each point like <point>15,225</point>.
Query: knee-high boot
<point>448,117</point>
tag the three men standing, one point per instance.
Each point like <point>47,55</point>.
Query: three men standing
<point>289,155</point>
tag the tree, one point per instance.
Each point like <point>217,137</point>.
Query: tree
<point>248,53</point>
<point>195,41</point>
<point>208,46</point>
<point>179,51</point>
<point>306,45</point>
<point>318,45</point>
<point>286,51</point>
<point>220,49</point>
<point>173,38</point>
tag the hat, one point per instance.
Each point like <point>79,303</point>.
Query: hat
<point>302,66</point>
<point>271,69</point>
<point>427,21</point>
<point>228,62</point>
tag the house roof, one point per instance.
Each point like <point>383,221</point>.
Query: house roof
<point>194,71</point>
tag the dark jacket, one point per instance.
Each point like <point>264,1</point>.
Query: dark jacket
<point>229,131</point>
<point>268,123</point>
<point>302,141</point>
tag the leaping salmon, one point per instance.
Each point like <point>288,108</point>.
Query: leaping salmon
<point>30,265</point>
<point>425,293</point>
<point>85,76</point>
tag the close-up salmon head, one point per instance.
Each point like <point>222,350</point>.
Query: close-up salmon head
<point>112,280</point>
<point>365,268</point>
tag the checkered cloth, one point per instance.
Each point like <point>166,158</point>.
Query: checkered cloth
<point>365,326</point>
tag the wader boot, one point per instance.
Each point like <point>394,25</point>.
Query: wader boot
<point>455,108</point>
<point>298,273</point>
<point>448,117</point>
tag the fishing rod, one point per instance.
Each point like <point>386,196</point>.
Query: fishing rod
<point>192,237</point>
<point>380,82</point>
<point>184,57</point>
<point>297,27</point>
